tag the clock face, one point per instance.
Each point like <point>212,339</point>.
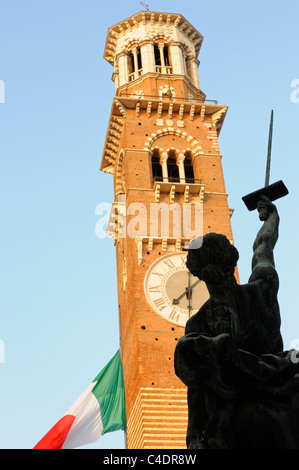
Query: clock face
<point>172,291</point>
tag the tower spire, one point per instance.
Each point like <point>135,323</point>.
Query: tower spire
<point>145,5</point>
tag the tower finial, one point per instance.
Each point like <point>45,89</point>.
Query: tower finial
<point>145,5</point>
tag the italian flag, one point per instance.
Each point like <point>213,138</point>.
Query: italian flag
<point>99,410</point>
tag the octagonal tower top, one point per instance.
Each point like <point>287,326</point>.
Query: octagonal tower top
<point>153,44</point>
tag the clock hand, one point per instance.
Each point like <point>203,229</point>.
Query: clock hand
<point>187,291</point>
<point>189,296</point>
<point>176,301</point>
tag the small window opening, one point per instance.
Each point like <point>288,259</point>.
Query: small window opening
<point>157,168</point>
<point>173,170</point>
<point>189,173</point>
<point>166,56</point>
<point>157,55</point>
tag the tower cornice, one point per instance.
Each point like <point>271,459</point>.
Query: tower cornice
<point>151,21</point>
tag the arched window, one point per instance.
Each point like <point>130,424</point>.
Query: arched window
<point>156,167</point>
<point>173,170</point>
<point>189,173</point>
<point>162,58</point>
<point>189,67</point>
<point>157,56</point>
<point>139,60</point>
<point>131,66</point>
<point>166,56</point>
<point>135,64</point>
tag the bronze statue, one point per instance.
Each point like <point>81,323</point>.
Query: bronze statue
<point>243,389</point>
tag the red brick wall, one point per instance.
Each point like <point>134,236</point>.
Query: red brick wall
<point>149,341</point>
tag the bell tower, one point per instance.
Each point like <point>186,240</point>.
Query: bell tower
<point>162,149</point>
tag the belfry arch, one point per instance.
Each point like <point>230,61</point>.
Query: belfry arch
<point>184,142</point>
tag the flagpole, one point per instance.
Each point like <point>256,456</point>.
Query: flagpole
<point>122,366</point>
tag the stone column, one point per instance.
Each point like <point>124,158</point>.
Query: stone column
<point>148,57</point>
<point>177,59</point>
<point>161,50</point>
<point>163,161</point>
<point>180,163</point>
<point>123,68</point>
<point>195,76</point>
<point>135,63</point>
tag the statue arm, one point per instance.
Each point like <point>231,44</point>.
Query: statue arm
<point>267,237</point>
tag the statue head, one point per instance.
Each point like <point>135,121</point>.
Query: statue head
<point>264,207</point>
<point>212,258</point>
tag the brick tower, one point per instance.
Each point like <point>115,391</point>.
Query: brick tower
<point>162,149</point>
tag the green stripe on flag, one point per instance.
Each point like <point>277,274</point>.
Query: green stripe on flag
<point>110,393</point>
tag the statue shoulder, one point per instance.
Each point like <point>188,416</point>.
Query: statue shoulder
<point>264,277</point>
<point>197,323</point>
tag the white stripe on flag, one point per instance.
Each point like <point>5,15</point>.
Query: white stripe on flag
<point>87,426</point>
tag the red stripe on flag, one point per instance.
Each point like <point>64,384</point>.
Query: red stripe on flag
<point>55,438</point>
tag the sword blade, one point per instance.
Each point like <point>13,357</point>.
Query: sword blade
<point>267,180</point>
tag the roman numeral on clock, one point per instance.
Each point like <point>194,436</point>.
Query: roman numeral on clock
<point>154,289</point>
<point>160,304</point>
<point>169,263</point>
<point>174,316</point>
<point>158,274</point>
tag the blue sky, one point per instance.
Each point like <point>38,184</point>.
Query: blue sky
<point>58,303</point>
